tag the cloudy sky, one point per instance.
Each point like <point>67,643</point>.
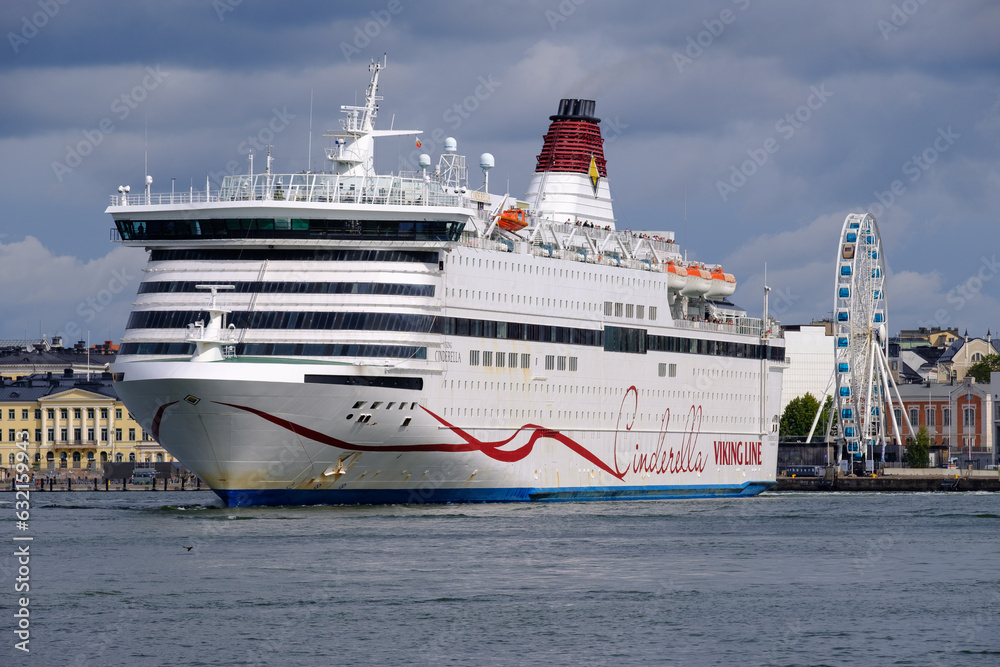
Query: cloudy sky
<point>773,119</point>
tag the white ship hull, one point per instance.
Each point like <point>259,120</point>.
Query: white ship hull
<point>259,435</point>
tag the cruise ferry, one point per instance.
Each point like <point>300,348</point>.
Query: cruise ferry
<point>347,336</point>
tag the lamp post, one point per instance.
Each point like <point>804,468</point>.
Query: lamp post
<point>969,420</point>
<point>111,434</point>
<point>927,415</point>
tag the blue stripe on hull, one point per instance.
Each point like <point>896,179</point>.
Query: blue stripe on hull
<point>277,497</point>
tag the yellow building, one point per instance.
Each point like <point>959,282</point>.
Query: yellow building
<point>963,353</point>
<point>72,425</point>
<point>935,336</point>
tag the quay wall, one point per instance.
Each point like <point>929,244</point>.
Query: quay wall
<point>897,479</point>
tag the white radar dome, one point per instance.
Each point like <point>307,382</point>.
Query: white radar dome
<point>424,160</point>
<point>486,161</point>
<point>149,180</point>
<point>450,145</point>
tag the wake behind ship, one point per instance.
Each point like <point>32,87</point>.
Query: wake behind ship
<point>351,337</point>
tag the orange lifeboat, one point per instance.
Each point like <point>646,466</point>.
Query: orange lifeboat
<point>676,276</point>
<point>698,281</point>
<point>513,220</point>
<point>722,285</point>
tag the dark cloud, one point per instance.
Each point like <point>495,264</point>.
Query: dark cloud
<point>688,92</point>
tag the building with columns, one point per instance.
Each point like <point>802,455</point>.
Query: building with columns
<point>72,423</point>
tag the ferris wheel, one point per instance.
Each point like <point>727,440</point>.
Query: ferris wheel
<point>864,383</point>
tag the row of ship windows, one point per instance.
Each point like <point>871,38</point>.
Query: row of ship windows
<point>523,389</point>
<point>512,359</point>
<point>626,340</point>
<point>612,339</point>
<point>332,320</point>
<point>269,287</point>
<point>292,255</point>
<point>628,310</point>
<point>285,350</point>
<point>179,319</point>
<point>271,228</point>
<point>503,359</point>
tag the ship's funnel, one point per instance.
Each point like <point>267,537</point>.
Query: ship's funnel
<point>570,180</point>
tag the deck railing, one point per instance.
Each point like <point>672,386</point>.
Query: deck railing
<point>310,188</point>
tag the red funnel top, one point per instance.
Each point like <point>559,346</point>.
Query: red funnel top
<point>573,138</point>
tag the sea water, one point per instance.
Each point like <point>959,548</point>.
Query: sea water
<point>155,578</point>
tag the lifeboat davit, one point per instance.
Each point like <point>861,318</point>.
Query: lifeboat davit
<point>676,277</point>
<point>722,284</point>
<point>513,220</point>
<point>699,281</point>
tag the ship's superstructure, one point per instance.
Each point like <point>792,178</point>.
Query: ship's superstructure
<point>345,336</point>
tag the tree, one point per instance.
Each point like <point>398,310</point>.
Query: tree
<point>981,369</point>
<point>918,451</point>
<point>799,414</point>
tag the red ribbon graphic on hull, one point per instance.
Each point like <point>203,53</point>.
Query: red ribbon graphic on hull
<point>661,459</point>
<point>471,444</point>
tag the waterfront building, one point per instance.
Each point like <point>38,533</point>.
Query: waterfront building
<point>73,424</point>
<point>809,355</point>
<point>995,397</point>
<point>960,419</point>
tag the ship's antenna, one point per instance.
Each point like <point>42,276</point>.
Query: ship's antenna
<point>685,223</point>
<point>766,290</point>
<point>309,159</point>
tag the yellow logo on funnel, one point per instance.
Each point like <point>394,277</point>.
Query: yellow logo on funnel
<point>594,174</point>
